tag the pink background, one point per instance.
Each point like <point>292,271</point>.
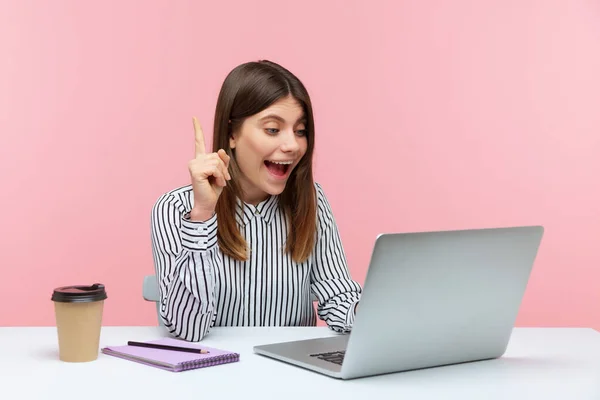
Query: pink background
<point>430,115</point>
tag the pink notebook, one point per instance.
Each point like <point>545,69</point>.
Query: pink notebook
<point>171,360</point>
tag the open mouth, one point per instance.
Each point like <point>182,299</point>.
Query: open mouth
<point>278,168</point>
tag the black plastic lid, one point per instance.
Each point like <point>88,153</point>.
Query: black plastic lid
<point>79,293</point>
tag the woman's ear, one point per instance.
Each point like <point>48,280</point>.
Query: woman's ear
<point>231,135</point>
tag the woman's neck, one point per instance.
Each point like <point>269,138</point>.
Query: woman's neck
<point>253,196</point>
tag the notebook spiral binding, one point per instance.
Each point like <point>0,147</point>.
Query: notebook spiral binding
<point>209,362</point>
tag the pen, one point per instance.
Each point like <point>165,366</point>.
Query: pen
<point>166,347</point>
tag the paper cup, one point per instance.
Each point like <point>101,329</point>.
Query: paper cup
<point>78,311</point>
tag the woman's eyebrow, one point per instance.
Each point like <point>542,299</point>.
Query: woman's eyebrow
<point>278,118</point>
<point>272,116</point>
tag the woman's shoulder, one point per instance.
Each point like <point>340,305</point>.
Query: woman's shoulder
<point>324,211</point>
<point>318,188</point>
<point>320,193</point>
<point>180,198</point>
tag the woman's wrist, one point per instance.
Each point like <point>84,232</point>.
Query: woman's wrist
<point>198,215</point>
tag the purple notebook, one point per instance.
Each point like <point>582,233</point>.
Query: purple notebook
<point>172,360</point>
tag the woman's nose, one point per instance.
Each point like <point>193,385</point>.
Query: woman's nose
<point>290,142</point>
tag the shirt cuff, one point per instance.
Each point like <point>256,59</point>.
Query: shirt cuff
<point>351,314</point>
<point>198,235</point>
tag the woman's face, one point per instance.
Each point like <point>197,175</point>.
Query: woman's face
<point>268,146</point>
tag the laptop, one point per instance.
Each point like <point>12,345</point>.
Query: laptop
<point>430,299</point>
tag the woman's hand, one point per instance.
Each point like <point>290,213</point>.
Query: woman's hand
<point>209,175</point>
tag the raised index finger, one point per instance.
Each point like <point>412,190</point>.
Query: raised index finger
<point>199,135</point>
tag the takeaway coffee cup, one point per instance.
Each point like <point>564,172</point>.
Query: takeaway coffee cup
<point>78,311</point>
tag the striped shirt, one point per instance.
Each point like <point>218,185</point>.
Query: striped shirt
<point>201,287</point>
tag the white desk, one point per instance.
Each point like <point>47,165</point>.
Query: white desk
<point>545,364</point>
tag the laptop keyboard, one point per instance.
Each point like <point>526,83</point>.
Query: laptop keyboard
<point>336,357</point>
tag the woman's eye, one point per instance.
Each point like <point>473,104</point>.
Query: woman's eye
<point>271,131</point>
<point>302,132</point>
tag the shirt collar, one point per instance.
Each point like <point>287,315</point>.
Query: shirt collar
<point>265,209</point>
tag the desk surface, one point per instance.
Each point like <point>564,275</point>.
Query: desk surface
<point>554,363</point>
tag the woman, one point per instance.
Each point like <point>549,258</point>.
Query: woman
<point>252,237</point>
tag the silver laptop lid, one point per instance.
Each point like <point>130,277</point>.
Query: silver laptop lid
<point>437,298</point>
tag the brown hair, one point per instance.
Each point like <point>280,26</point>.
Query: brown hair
<point>247,90</point>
